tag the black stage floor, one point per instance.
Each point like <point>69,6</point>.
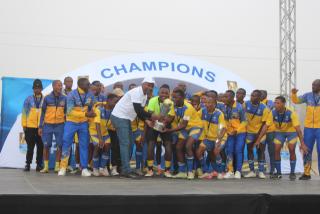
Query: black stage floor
<point>30,191</point>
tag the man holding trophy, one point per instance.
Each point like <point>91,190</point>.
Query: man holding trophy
<point>164,106</point>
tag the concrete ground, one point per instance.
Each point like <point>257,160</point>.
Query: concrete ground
<point>15,181</point>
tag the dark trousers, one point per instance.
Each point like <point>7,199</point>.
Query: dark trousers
<point>32,138</point>
<point>115,149</point>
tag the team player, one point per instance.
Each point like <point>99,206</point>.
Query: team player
<point>52,123</point>
<point>287,128</point>
<point>311,124</point>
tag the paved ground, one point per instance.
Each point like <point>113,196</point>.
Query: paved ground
<point>15,181</point>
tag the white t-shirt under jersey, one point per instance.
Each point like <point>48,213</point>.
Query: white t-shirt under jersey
<point>124,108</point>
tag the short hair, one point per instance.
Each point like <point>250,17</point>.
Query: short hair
<point>179,91</point>
<point>111,96</point>
<point>231,92</point>
<point>195,97</point>
<point>165,86</point>
<point>242,89</point>
<point>281,98</point>
<point>257,91</point>
<point>96,83</point>
<point>55,82</point>
<point>211,91</point>
<point>68,77</point>
<point>81,80</point>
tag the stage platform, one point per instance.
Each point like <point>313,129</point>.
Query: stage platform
<point>31,190</point>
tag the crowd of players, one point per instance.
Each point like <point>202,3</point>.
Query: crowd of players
<point>204,136</point>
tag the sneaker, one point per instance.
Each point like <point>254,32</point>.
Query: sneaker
<point>62,172</point>
<point>138,172</point>
<point>114,171</point>
<point>27,168</point>
<point>44,170</point>
<point>86,173</point>
<point>104,172</point>
<point>199,172</point>
<point>261,175</point>
<point>180,175</point>
<point>95,172</point>
<point>237,175</point>
<point>190,176</point>
<point>130,175</point>
<point>149,173</point>
<point>229,175</point>
<point>167,174</point>
<point>220,176</point>
<point>205,175</point>
<point>74,170</point>
<point>159,170</point>
<point>292,176</point>
<point>305,177</point>
<point>251,174</point>
<point>276,176</point>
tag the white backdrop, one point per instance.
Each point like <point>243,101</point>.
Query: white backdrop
<point>165,68</point>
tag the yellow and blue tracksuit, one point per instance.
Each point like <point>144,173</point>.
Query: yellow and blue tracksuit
<point>236,121</point>
<point>30,121</point>
<point>212,124</point>
<point>78,103</point>
<point>100,160</point>
<point>256,115</point>
<point>193,129</point>
<point>270,135</point>
<point>137,127</point>
<point>53,118</point>
<point>285,124</point>
<point>311,126</point>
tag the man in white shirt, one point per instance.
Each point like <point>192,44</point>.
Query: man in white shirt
<point>126,110</point>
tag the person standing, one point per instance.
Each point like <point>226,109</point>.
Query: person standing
<point>126,110</point>
<point>311,124</point>
<point>31,114</point>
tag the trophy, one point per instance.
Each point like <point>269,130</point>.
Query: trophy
<point>164,110</point>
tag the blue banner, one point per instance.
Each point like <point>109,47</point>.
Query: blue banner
<point>14,92</point>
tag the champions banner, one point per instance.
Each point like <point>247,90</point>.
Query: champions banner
<point>165,68</point>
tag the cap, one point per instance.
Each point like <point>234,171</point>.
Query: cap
<point>37,84</point>
<point>118,92</point>
<point>148,80</point>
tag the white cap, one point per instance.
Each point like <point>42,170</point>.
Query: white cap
<point>148,79</point>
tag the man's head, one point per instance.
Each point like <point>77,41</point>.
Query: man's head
<point>182,86</point>
<point>112,100</point>
<point>195,101</point>
<point>164,92</point>
<point>222,97</point>
<point>178,96</point>
<point>94,90</point>
<point>118,85</point>
<point>68,82</point>
<point>84,84</point>
<point>316,86</point>
<point>280,103</point>
<point>37,87</point>
<point>147,85</point>
<point>229,97</point>
<point>255,97</point>
<point>57,86</point>
<point>131,86</point>
<point>97,84</point>
<point>211,103</point>
<point>241,94</point>
<point>213,94</point>
<point>264,94</point>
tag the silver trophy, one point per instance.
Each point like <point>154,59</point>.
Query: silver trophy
<point>165,107</point>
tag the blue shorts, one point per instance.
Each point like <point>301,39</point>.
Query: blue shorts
<point>49,130</point>
<point>250,138</point>
<point>209,144</point>
<point>281,137</point>
<point>194,132</point>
